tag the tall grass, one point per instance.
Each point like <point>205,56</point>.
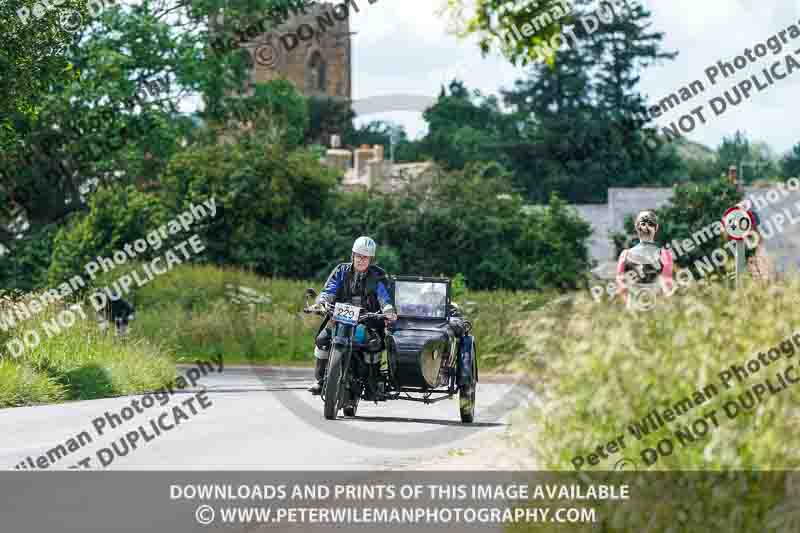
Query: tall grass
<point>78,362</point>
<point>605,367</point>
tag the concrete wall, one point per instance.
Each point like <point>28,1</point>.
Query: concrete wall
<point>598,216</point>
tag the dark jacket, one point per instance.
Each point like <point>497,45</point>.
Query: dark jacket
<point>372,291</point>
<point>118,310</point>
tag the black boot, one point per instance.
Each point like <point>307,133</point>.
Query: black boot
<point>319,375</point>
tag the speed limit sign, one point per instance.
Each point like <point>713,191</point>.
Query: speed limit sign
<point>738,222</point>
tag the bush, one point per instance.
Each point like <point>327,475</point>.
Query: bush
<point>472,223</point>
<point>269,205</point>
<point>117,216</point>
<point>24,267</point>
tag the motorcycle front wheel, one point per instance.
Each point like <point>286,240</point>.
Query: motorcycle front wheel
<point>333,384</point>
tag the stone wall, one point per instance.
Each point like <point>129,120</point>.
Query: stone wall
<point>317,66</point>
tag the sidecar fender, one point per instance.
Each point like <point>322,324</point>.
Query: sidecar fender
<point>467,361</point>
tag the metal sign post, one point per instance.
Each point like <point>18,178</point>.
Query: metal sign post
<point>741,263</point>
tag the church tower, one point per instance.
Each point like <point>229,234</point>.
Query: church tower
<point>312,50</point>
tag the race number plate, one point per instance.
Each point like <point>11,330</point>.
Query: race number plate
<point>346,314</point>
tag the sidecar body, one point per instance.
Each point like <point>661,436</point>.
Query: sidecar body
<point>429,348</point>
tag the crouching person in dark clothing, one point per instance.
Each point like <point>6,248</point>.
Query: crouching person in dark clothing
<point>117,312</point>
<point>356,283</point>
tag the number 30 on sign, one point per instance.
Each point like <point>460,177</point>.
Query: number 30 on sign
<point>738,222</point>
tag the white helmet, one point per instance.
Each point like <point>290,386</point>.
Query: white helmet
<point>364,246</point>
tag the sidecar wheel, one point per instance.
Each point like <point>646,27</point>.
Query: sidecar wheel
<point>466,400</point>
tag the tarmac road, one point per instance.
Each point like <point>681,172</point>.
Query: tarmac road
<point>248,419</point>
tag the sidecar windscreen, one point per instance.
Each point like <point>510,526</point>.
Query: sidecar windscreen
<point>421,299</point>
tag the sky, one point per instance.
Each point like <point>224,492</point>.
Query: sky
<point>403,46</point>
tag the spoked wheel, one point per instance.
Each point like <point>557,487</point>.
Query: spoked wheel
<point>466,392</point>
<point>333,385</point>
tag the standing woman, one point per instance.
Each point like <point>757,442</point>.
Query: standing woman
<point>645,268</point>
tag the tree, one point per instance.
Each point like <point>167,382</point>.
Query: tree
<point>264,196</point>
<point>117,215</point>
<point>753,160</point>
<point>97,124</point>
<point>621,48</point>
<point>275,108</point>
<point>578,116</point>
<point>464,127</point>
<point>790,165</point>
<point>327,117</point>
<point>32,59</point>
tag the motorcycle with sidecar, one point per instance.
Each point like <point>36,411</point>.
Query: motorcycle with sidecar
<point>430,353</point>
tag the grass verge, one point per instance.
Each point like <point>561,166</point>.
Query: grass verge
<point>77,362</point>
<point>605,372</point>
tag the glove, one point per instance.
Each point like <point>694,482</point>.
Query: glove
<point>317,307</point>
<point>389,313</point>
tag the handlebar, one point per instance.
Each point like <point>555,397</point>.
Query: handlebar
<point>328,309</point>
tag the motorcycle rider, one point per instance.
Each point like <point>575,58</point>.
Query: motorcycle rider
<point>357,283</point>
<point>645,266</point>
